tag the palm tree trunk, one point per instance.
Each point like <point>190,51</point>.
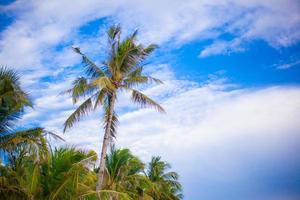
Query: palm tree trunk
<point>105,143</point>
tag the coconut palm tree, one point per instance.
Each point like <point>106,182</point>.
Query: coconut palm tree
<point>165,183</point>
<point>122,71</point>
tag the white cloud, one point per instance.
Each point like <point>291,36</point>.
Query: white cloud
<point>30,41</point>
<point>222,47</point>
<point>276,22</point>
<point>220,137</point>
<point>42,25</point>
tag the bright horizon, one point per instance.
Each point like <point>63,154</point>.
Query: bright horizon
<point>231,72</point>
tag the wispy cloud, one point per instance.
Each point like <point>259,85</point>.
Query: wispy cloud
<point>222,47</point>
<point>288,65</point>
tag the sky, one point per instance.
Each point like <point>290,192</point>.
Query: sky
<point>231,72</point>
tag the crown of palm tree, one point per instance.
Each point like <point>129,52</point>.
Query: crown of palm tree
<point>165,183</point>
<point>123,70</point>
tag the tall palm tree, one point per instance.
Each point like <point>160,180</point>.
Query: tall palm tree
<point>122,71</point>
<point>165,182</point>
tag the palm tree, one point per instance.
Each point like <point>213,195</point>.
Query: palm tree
<point>21,173</point>
<point>165,183</point>
<point>16,147</point>
<point>122,71</point>
<point>24,153</point>
<point>69,174</point>
<point>65,174</point>
<point>123,173</point>
<point>12,99</point>
<point>127,177</point>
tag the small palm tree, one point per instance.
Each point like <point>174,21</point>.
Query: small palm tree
<point>68,175</point>
<point>122,71</point>
<point>123,173</point>
<point>165,183</point>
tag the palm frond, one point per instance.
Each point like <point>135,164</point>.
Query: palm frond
<point>127,55</point>
<point>114,32</point>
<point>138,80</point>
<point>149,49</point>
<point>12,98</point>
<point>171,176</point>
<point>134,34</point>
<point>34,136</point>
<point>130,55</point>
<point>91,69</point>
<point>106,194</point>
<point>33,185</point>
<point>145,101</point>
<point>56,192</point>
<point>81,88</point>
<point>103,82</point>
<point>82,110</point>
<point>100,96</point>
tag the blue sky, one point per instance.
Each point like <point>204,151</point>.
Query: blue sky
<point>231,85</point>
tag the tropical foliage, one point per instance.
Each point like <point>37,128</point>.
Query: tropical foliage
<point>59,174</point>
<point>70,173</point>
<point>121,71</point>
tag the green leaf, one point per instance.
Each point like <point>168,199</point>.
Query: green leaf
<point>82,110</point>
<point>145,101</point>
